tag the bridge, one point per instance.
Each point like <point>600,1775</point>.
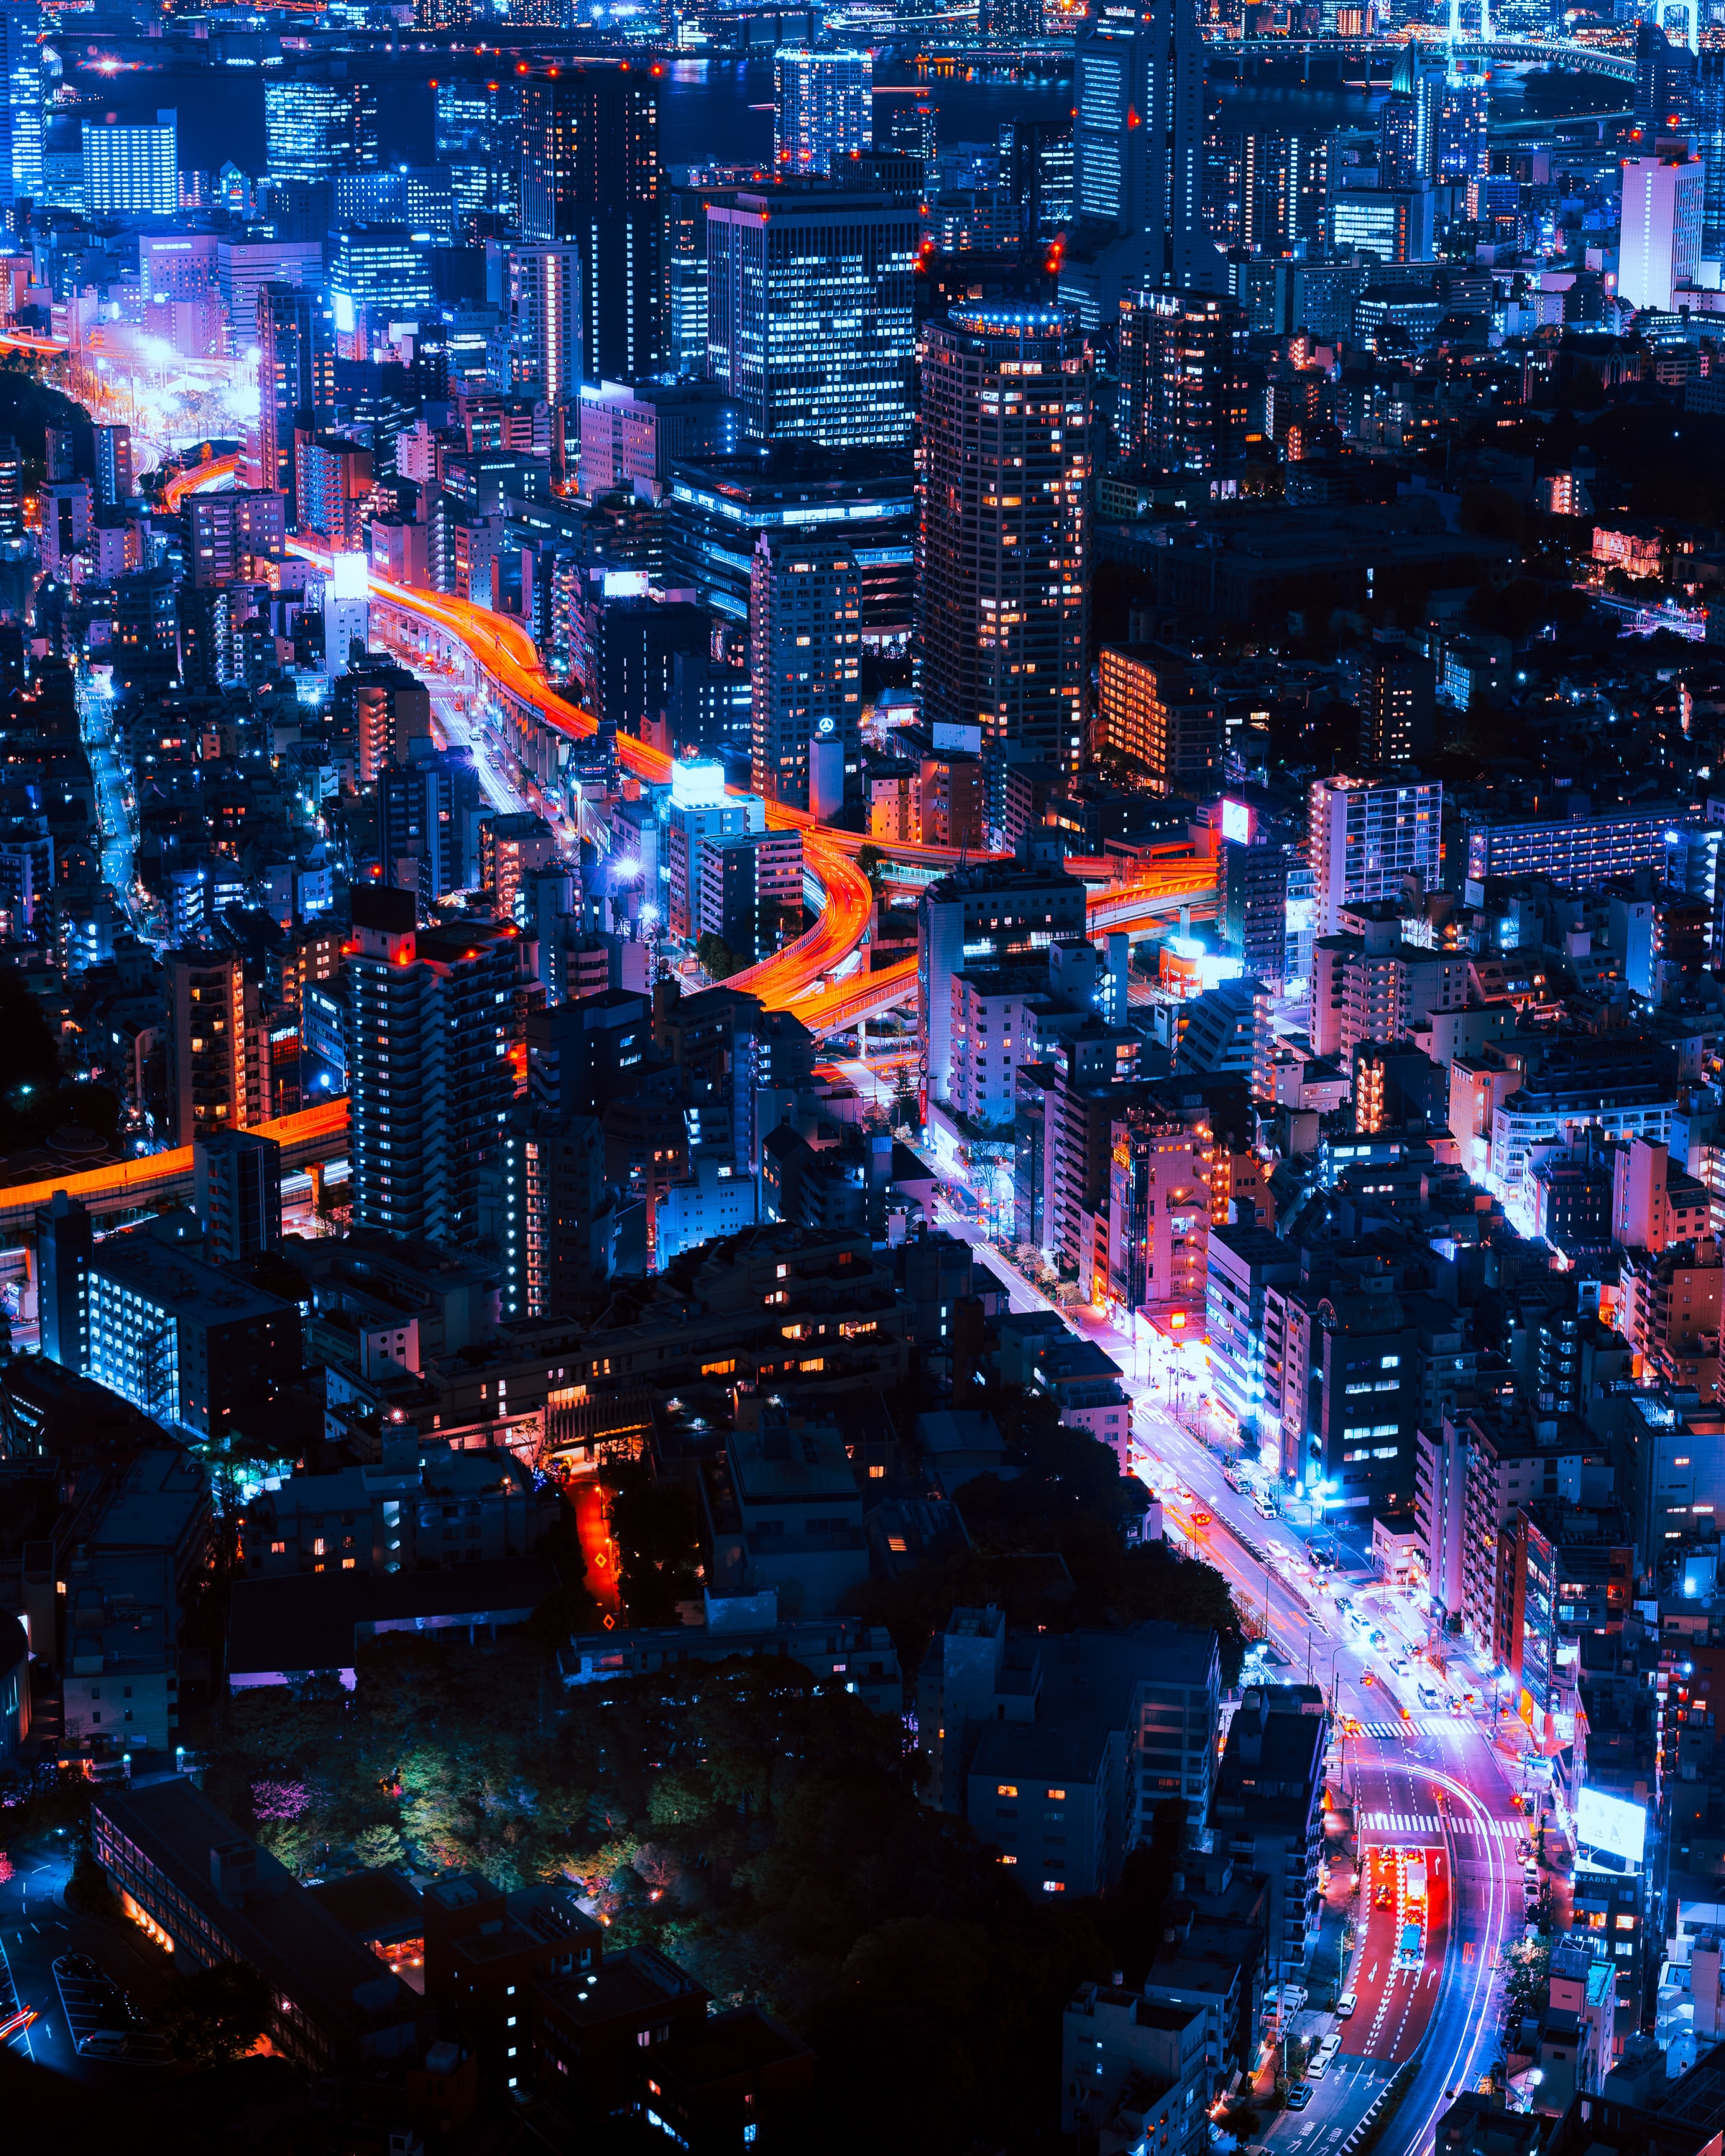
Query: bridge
<point>1567,54</point>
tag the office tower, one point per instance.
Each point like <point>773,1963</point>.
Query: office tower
<point>683,265</point>
<point>823,108</point>
<point>1002,544</point>
<point>420,197</point>
<point>430,805</point>
<point>21,130</point>
<point>1010,22</point>
<point>112,457</point>
<point>1665,81</point>
<point>1162,714</point>
<point>805,656</point>
<point>378,273</point>
<point>717,508</point>
<point>983,916</point>
<point>1284,187</point>
<point>1463,147</point>
<point>296,382</point>
<point>63,1245</point>
<point>232,535</point>
<point>332,486</point>
<point>1183,401</point>
<point>478,137</point>
<point>132,170</point>
<point>1366,837</point>
<point>811,315</point>
<point>218,1053</point>
<point>1398,707</point>
<point>700,810</point>
<point>591,173</point>
<point>544,319</point>
<point>429,1078</point>
<point>12,489</point>
<point>1660,226</point>
<point>1137,156</point>
<point>236,1193</point>
<point>1394,223</point>
<point>1710,146</point>
<point>315,129</point>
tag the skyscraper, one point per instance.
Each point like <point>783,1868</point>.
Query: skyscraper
<point>1710,144</point>
<point>1137,153</point>
<point>132,170</point>
<point>428,1072</point>
<point>1003,542</point>
<point>545,319</point>
<point>805,656</point>
<point>296,381</point>
<point>591,174</point>
<point>21,122</point>
<point>810,314</point>
<point>823,108</point>
<point>1660,225</point>
<point>315,129</point>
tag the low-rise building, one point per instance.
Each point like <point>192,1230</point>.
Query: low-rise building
<point>187,1873</point>
<point>1133,2067</point>
<point>1267,1810</point>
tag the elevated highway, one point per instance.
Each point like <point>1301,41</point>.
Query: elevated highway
<point>159,1178</point>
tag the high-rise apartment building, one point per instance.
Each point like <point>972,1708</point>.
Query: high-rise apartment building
<point>1398,707</point>
<point>1154,708</point>
<point>544,319</point>
<point>1182,401</point>
<point>430,1017</point>
<point>1462,148</point>
<point>314,128</point>
<point>805,651</point>
<point>823,108</point>
<point>236,1186</point>
<point>811,314</point>
<point>591,174</point>
<point>217,1056</point>
<point>333,484</point>
<point>20,119</point>
<point>296,382</point>
<point>1003,543</point>
<point>1365,837</point>
<point>1660,225</point>
<point>233,533</point>
<point>384,709</point>
<point>131,171</point>
<point>1138,156</point>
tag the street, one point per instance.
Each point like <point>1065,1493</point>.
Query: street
<point>1418,1782</point>
<point>36,1930</point>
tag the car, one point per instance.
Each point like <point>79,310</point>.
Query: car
<point>1200,1519</point>
<point>1345,2006</point>
<point>1316,2066</point>
<point>103,2044</point>
<point>1384,1898</point>
<point>1299,2095</point>
<point>1366,1678</point>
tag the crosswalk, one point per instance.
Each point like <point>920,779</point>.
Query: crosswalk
<point>1414,1729</point>
<point>1428,1823</point>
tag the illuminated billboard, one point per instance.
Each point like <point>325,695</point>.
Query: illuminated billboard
<point>1237,823</point>
<point>1611,1826</point>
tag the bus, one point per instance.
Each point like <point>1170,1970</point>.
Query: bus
<point>1414,1885</point>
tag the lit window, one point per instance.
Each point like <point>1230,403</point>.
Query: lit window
<point>1006,1790</point>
